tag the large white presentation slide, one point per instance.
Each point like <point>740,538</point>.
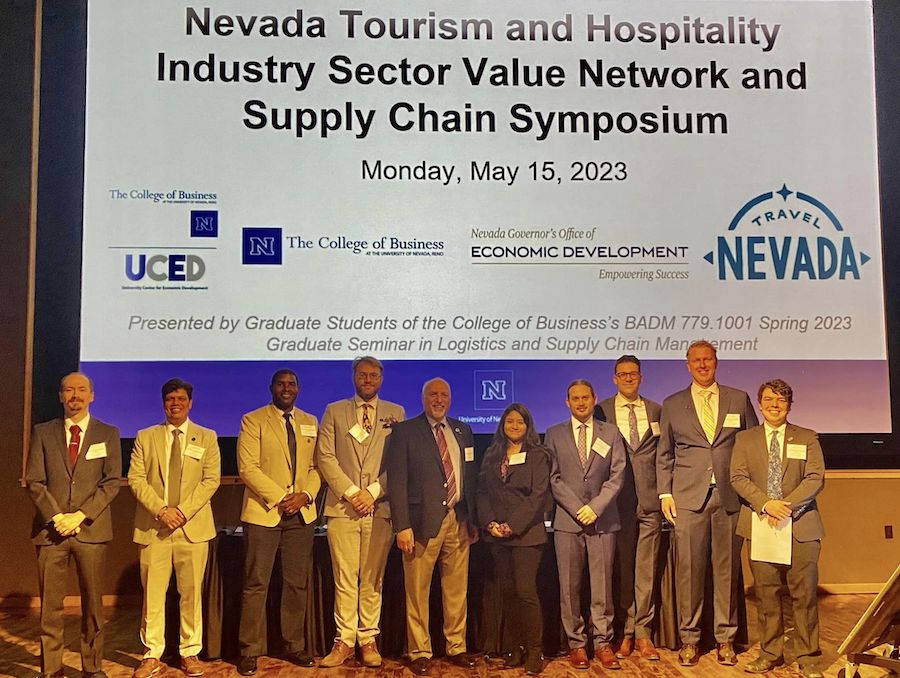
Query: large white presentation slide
<point>511,194</point>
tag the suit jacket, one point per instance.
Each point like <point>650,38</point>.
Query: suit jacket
<point>55,486</point>
<point>520,501</point>
<point>685,459</point>
<point>597,486</point>
<point>801,479</point>
<point>344,462</point>
<point>639,486</point>
<point>264,464</point>
<point>200,474</point>
<point>417,481</point>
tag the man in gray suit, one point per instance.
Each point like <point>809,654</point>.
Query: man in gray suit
<point>350,452</point>
<point>587,471</point>
<point>73,472</point>
<point>693,465</point>
<point>778,469</point>
<point>637,545</point>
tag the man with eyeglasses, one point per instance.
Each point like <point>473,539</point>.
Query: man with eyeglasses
<point>778,469</point>
<point>637,545</point>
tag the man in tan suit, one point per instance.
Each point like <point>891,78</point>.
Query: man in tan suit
<point>349,451</point>
<point>174,473</point>
<point>275,457</point>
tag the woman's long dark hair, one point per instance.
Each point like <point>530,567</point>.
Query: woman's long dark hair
<point>497,449</point>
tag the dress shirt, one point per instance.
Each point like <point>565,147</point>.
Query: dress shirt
<point>452,449</point>
<point>698,393</point>
<point>780,431</point>
<point>283,421</point>
<point>374,488</point>
<point>81,424</point>
<point>167,454</point>
<point>622,415</point>
<point>590,433</point>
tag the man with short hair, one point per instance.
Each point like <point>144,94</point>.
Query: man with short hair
<point>174,472</point>
<point>276,461</point>
<point>693,459</point>
<point>637,545</point>
<point>432,479</point>
<point>778,469</point>
<point>586,475</point>
<point>73,470</point>
<point>350,455</point>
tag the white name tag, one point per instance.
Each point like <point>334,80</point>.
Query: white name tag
<point>308,430</point>
<point>600,447</point>
<point>654,428</point>
<point>470,453</point>
<point>517,459</point>
<point>194,451</point>
<point>358,432</point>
<point>796,451</point>
<point>96,451</point>
<point>732,420</point>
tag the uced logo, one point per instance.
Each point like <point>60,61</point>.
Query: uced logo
<point>160,267</point>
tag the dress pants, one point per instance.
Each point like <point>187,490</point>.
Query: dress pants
<point>802,577</point>
<point>700,536</point>
<point>579,556</point>
<point>359,550</point>
<point>516,569</point>
<point>450,550</point>
<point>53,567</point>
<point>168,551</point>
<point>293,540</point>
<point>637,560</point>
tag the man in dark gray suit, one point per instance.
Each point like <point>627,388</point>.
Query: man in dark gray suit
<point>73,471</point>
<point>587,470</point>
<point>693,466</point>
<point>637,546</point>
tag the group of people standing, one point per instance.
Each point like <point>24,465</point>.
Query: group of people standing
<point>614,472</point>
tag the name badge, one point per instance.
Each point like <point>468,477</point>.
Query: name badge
<point>358,433</point>
<point>796,451</point>
<point>654,428</point>
<point>732,420</point>
<point>194,451</point>
<point>96,451</point>
<point>470,453</point>
<point>600,447</point>
<point>308,430</point>
<point>517,459</point>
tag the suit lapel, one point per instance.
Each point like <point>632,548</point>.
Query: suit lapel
<point>351,422</point>
<point>692,413</point>
<point>789,433</point>
<point>377,428</point>
<point>461,460</point>
<point>60,435</point>
<point>159,445</point>
<point>274,422</point>
<point>724,403</point>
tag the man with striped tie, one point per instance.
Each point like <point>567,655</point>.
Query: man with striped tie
<point>693,463</point>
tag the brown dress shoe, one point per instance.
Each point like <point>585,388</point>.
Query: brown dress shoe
<point>463,660</point>
<point>578,659</point>
<point>371,657</point>
<point>725,654</point>
<point>646,649</point>
<point>688,655</point>
<point>340,653</point>
<point>148,667</point>
<point>420,666</point>
<point>626,647</point>
<point>607,658</point>
<point>191,666</point>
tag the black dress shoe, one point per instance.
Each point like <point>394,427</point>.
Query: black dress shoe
<point>247,666</point>
<point>420,666</point>
<point>94,674</point>
<point>514,659</point>
<point>300,659</point>
<point>462,660</point>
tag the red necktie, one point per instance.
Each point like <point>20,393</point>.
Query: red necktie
<point>74,443</point>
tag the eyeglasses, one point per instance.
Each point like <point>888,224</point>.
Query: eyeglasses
<point>628,375</point>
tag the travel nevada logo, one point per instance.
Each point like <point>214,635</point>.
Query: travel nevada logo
<point>786,235</point>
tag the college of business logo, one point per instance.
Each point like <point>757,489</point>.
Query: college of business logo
<point>204,224</point>
<point>786,235</point>
<point>493,389</point>
<point>261,245</point>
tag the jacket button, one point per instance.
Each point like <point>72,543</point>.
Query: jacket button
<point>443,503</point>
<point>445,484</point>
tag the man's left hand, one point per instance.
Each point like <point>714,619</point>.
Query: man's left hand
<point>293,502</point>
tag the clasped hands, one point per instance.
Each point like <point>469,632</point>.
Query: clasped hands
<point>68,524</point>
<point>293,502</point>
<point>363,503</point>
<point>171,517</point>
<point>776,510</point>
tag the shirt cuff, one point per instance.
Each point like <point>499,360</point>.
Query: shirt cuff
<point>375,489</point>
<point>309,496</point>
<point>350,491</point>
<point>666,495</point>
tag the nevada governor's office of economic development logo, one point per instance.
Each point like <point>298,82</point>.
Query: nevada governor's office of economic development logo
<point>786,235</point>
<point>261,246</point>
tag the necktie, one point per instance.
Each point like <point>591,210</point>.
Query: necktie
<point>706,416</point>
<point>773,486</point>
<point>633,438</point>
<point>291,442</point>
<point>582,445</point>
<point>74,443</point>
<point>173,481</point>
<point>366,422</point>
<point>448,464</point>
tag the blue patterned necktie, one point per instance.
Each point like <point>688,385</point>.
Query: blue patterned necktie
<point>773,486</point>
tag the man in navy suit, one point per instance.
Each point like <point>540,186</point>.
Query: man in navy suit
<point>693,464</point>
<point>587,469</point>
<point>431,479</point>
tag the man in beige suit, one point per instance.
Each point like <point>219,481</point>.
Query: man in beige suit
<point>275,455</point>
<point>349,453</point>
<point>174,473</point>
